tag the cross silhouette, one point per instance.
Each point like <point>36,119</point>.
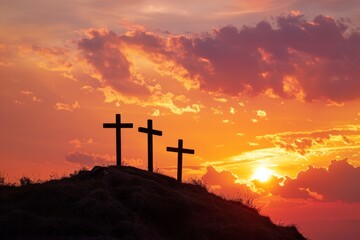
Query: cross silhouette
<point>150,132</point>
<point>118,126</point>
<point>180,150</point>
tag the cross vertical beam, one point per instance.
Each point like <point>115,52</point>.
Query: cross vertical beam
<point>118,126</point>
<point>150,132</point>
<point>180,150</point>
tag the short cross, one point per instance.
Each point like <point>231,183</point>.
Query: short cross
<point>150,132</point>
<point>118,126</point>
<point>180,150</point>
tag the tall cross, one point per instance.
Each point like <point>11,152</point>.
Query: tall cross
<point>118,126</point>
<point>150,132</point>
<point>180,150</point>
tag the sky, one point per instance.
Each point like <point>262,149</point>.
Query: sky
<point>266,92</point>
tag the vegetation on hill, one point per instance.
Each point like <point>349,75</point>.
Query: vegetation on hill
<point>128,203</point>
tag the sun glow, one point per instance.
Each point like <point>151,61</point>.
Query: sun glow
<point>262,174</point>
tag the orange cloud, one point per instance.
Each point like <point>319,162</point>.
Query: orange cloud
<point>261,113</point>
<point>67,106</point>
<point>304,142</point>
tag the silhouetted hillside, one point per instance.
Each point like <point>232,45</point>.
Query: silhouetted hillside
<point>128,203</point>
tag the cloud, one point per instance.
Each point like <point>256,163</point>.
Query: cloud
<point>103,50</point>
<point>225,183</point>
<point>30,95</point>
<point>76,143</point>
<point>88,159</point>
<point>79,143</point>
<point>156,113</point>
<point>293,58</point>
<point>158,99</point>
<point>298,145</point>
<point>67,106</point>
<point>261,113</point>
<point>6,55</point>
<point>340,182</point>
<point>164,53</point>
<point>268,186</point>
<point>222,100</point>
<point>54,59</point>
<point>304,142</point>
<point>217,111</point>
<point>289,58</point>
<point>311,59</point>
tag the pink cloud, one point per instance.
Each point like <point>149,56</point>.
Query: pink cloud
<point>291,58</point>
<point>318,55</point>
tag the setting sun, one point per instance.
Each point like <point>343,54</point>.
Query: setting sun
<point>262,174</point>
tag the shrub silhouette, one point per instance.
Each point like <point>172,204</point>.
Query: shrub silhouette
<point>25,181</point>
<point>2,179</point>
<point>128,203</point>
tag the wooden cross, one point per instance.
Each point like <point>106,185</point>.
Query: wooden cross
<point>180,150</point>
<point>118,126</point>
<point>150,132</point>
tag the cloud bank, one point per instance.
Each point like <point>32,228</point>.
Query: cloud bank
<point>289,58</point>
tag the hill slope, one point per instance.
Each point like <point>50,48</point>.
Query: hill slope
<point>128,203</point>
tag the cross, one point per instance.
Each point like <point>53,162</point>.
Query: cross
<point>118,126</point>
<point>150,132</point>
<point>180,150</point>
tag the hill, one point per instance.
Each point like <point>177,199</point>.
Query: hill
<point>128,203</point>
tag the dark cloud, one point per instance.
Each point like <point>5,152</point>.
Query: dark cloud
<point>88,159</point>
<point>340,182</point>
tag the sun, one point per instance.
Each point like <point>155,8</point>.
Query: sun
<point>262,174</point>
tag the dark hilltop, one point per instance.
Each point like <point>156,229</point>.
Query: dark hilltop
<point>128,203</point>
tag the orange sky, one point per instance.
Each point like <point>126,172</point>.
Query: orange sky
<point>248,84</point>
